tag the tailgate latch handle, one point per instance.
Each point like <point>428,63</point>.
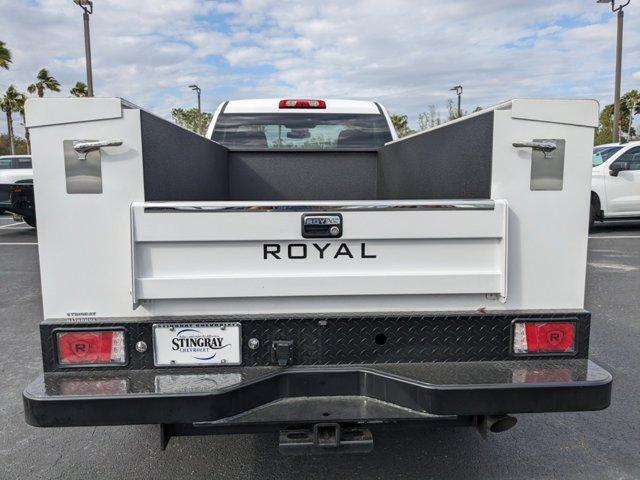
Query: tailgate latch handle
<point>83,148</point>
<point>544,147</point>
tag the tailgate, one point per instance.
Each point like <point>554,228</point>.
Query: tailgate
<point>184,250</point>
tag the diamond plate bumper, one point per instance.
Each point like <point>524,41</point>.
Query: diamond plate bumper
<point>362,393</point>
<point>345,340</point>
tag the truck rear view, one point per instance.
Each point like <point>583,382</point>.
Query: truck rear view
<point>311,274</point>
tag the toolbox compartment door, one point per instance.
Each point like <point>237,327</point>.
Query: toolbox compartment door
<point>186,250</point>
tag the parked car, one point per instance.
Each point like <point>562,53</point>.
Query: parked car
<point>22,204</point>
<point>615,182</point>
<point>13,169</point>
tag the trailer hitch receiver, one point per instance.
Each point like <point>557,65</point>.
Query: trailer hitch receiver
<point>325,438</point>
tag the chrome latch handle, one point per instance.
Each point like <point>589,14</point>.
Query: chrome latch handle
<point>544,147</point>
<point>83,148</point>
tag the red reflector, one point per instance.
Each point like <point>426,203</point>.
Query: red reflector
<point>293,103</point>
<point>91,347</point>
<point>544,337</point>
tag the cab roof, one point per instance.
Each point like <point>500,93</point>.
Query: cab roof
<point>271,105</point>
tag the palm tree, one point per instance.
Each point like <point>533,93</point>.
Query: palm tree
<point>5,56</point>
<point>11,103</point>
<point>20,101</point>
<point>44,82</point>
<point>79,90</point>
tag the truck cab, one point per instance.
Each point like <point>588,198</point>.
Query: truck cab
<point>615,182</point>
<point>301,124</point>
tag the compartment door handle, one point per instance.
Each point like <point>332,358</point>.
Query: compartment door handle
<point>545,147</point>
<point>85,147</point>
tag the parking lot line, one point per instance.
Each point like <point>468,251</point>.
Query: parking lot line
<point>18,243</point>
<point>12,224</point>
<point>609,237</point>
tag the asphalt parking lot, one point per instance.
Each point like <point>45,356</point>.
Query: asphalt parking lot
<point>599,445</point>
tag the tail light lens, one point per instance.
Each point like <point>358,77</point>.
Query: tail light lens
<point>544,337</point>
<point>293,103</point>
<point>91,347</point>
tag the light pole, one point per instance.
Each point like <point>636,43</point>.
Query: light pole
<point>458,90</point>
<point>616,97</point>
<point>197,89</point>
<point>87,6</point>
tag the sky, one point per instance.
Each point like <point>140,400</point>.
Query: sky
<point>406,54</point>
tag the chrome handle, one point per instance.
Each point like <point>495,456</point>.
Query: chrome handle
<point>83,148</point>
<point>545,147</point>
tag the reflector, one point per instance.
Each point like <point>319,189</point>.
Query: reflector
<point>91,347</point>
<point>544,337</point>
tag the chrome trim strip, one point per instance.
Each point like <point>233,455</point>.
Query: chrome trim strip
<point>376,206</point>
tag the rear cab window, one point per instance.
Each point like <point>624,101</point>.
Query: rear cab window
<point>301,131</point>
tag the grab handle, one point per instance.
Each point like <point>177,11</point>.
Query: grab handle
<point>83,148</point>
<point>545,147</point>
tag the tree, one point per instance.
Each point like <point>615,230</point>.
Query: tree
<point>44,81</point>
<point>629,107</point>
<point>5,56</point>
<point>11,103</point>
<point>5,145</point>
<point>20,102</point>
<point>401,124</point>
<point>79,90</point>
<point>429,119</point>
<point>633,104</point>
<point>190,119</point>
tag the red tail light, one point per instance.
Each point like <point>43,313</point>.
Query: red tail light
<point>293,103</point>
<point>544,337</point>
<point>91,347</point>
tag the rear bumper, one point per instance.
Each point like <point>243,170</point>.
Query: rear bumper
<point>307,394</point>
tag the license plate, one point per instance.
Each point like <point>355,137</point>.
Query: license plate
<point>197,344</point>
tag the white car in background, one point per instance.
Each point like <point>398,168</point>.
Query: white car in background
<point>615,182</point>
<point>13,169</point>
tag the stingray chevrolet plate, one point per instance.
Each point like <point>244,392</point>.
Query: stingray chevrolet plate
<point>197,344</point>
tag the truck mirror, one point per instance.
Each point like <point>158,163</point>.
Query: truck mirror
<point>617,167</point>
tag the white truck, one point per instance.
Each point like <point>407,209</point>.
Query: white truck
<point>303,270</point>
<point>615,182</point>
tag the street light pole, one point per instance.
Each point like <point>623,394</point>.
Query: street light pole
<point>197,89</point>
<point>87,6</point>
<point>618,79</point>
<point>458,90</point>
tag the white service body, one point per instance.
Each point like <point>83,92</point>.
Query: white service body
<point>111,255</point>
